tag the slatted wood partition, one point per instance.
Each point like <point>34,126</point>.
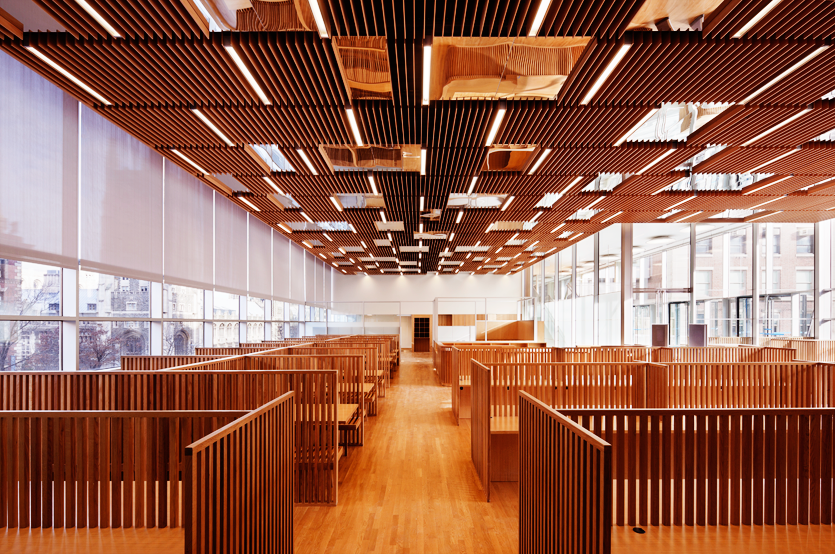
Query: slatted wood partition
<point>807,349</point>
<point>480,425</point>
<point>232,350</point>
<point>740,385</point>
<point>488,354</point>
<point>240,484</point>
<point>718,467</point>
<point>316,417</point>
<point>350,380</point>
<point>565,484</point>
<point>156,363</point>
<point>722,354</point>
<point>373,353</point>
<point>442,362</point>
<point>98,469</point>
<point>606,354</point>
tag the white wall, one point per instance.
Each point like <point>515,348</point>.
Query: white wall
<point>417,292</point>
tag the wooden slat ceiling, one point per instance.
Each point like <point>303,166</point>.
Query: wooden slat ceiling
<point>164,64</point>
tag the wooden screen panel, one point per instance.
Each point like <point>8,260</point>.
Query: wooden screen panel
<point>606,354</point>
<point>565,484</point>
<point>154,363</point>
<point>442,361</point>
<point>718,467</point>
<point>240,483</point>
<point>97,469</point>
<point>480,424</point>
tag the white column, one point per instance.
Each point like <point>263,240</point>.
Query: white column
<point>156,313</point>
<point>596,303</point>
<point>692,309</point>
<point>823,280</point>
<point>755,283</point>
<point>208,314</point>
<point>626,316</point>
<point>69,329</point>
<point>573,320</point>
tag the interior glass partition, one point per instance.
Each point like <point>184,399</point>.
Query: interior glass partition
<point>456,319</point>
<point>609,278</point>
<point>584,311</point>
<point>382,318</point>
<point>661,280</point>
<point>345,318</point>
<point>565,298</point>
<point>549,269</point>
<point>723,279</point>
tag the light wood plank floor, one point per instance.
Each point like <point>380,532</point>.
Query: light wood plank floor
<point>91,541</point>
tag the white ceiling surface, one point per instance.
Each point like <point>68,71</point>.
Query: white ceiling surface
<point>422,289</point>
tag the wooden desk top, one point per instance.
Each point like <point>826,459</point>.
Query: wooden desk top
<point>368,387</point>
<point>345,412</point>
<point>504,425</point>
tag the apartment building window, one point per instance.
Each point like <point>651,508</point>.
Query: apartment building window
<point>805,240</point>
<point>702,280</point>
<point>737,281</point>
<point>739,242</point>
<point>704,247</point>
<point>804,279</point>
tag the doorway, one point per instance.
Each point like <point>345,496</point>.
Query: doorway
<point>420,337</point>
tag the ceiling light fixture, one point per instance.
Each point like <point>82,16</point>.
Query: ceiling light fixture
<point>272,184</point>
<point>306,160</point>
<point>513,238</point>
<point>327,237</point>
<point>467,257</point>
<point>578,235</point>
<point>544,153</point>
<point>248,203</point>
<point>323,256</point>
<point>389,236</point>
<point>637,126</point>
<point>607,219</point>
<point>427,69</point>
<point>352,228</point>
<point>373,184</point>
<point>451,236</point>
<point>767,202</point>
<point>317,16</point>
<point>558,227</point>
<point>393,251</point>
<point>285,228</point>
<point>191,163</point>
<point>656,160</point>
<point>336,204</point>
<point>624,48</point>
<point>688,199</point>
<point>307,217</point>
<point>421,203</point>
<point>420,228</point>
<point>595,202</point>
<point>780,157</point>
<point>499,249</point>
<point>99,19</point>
<point>423,161</point>
<point>66,74</point>
<point>764,215</point>
<point>754,20</point>
<point>211,126</point>
<point>383,216</point>
<point>815,53</point>
<point>539,213</point>
<point>507,202</point>
<point>497,122</point>
<point>227,44</point>
<point>362,242</point>
<point>472,185</point>
<point>306,243</point>
<point>782,124</point>
<point>460,215</point>
<point>689,216</point>
<point>539,17</point>
<point>571,184</point>
<point>352,121</point>
<point>767,185</point>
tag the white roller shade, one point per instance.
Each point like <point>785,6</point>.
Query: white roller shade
<point>188,229</point>
<point>296,272</point>
<point>328,283</point>
<point>230,246</point>
<point>121,201</point>
<point>309,276</point>
<point>260,258</point>
<point>38,168</point>
<point>281,265</point>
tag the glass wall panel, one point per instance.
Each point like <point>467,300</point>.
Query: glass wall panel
<point>565,295</point>
<point>584,313</point>
<point>610,283</point>
<point>29,289</point>
<point>30,346</point>
<point>787,279</point>
<point>661,277</point>
<point>226,334</point>
<point>723,279</point>
<point>226,306</point>
<point>103,343</point>
<point>278,311</point>
<point>101,295</point>
<point>278,331</point>
<point>255,310</point>
<point>182,302</point>
<point>255,331</point>
<point>549,270</point>
<point>180,338</point>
